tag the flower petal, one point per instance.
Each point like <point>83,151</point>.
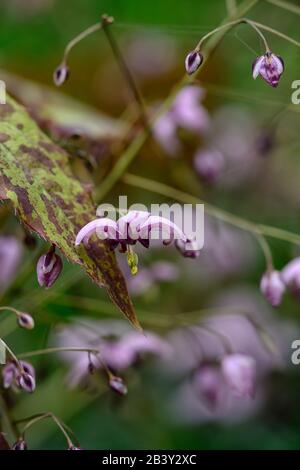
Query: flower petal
<point>256,66</point>
<point>105,228</point>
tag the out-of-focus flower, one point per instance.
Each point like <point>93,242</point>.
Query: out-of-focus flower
<point>188,113</point>
<point>270,67</point>
<point>11,251</point>
<point>209,384</point>
<point>117,384</point>
<point>151,55</point>
<point>136,226</point>
<point>291,275</point>
<point>272,287</point>
<point>158,272</point>
<point>21,375</point>
<point>193,61</point>
<point>21,444</point>
<point>25,321</point>
<point>119,347</point>
<point>48,268</point>
<point>240,372</point>
<point>61,74</point>
<point>209,164</point>
<point>74,448</point>
<point>188,249</point>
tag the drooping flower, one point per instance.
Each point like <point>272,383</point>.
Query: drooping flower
<point>193,61</point>
<point>240,372</point>
<point>270,67</point>
<point>61,74</point>
<point>272,287</point>
<point>20,375</point>
<point>291,275</point>
<point>21,444</point>
<point>117,384</point>
<point>209,384</point>
<point>188,248</point>
<point>25,321</point>
<point>48,268</point>
<point>136,226</point>
<point>209,164</point>
<point>119,347</point>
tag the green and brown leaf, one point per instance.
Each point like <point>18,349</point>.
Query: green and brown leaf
<point>35,175</point>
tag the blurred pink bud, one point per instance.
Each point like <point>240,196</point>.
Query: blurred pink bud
<point>74,448</point>
<point>272,287</point>
<point>20,444</point>
<point>193,61</point>
<point>270,67</point>
<point>61,74</point>
<point>48,268</point>
<point>117,384</point>
<point>188,248</point>
<point>209,384</point>
<point>291,275</point>
<point>209,164</point>
<point>239,371</point>
<point>25,321</point>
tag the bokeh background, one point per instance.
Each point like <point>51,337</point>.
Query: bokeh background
<point>155,37</point>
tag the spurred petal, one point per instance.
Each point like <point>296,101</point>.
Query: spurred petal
<point>105,228</point>
<point>164,228</point>
<point>257,65</point>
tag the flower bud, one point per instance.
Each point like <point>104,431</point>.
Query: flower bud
<point>20,444</point>
<point>239,371</point>
<point>270,67</point>
<point>272,287</point>
<point>209,165</point>
<point>27,382</point>
<point>48,268</point>
<point>291,275</point>
<point>117,384</point>
<point>193,61</point>
<point>74,448</point>
<point>25,321</point>
<point>209,385</point>
<point>61,74</point>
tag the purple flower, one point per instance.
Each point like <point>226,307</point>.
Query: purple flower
<point>193,61</point>
<point>291,275</point>
<point>119,347</point>
<point>117,384</point>
<point>25,321</point>
<point>48,268</point>
<point>239,371</point>
<point>20,375</point>
<point>270,67</point>
<point>188,248</point>
<point>136,226</point>
<point>209,164</point>
<point>209,384</point>
<point>74,448</point>
<point>20,444</point>
<point>61,74</point>
<point>272,287</point>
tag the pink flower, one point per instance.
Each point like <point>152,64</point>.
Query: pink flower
<point>240,373</point>
<point>209,164</point>
<point>21,375</point>
<point>270,67</point>
<point>272,287</point>
<point>209,384</point>
<point>291,275</point>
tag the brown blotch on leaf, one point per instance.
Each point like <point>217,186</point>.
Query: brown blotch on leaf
<point>4,137</point>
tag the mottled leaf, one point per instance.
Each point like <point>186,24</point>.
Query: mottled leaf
<point>35,175</point>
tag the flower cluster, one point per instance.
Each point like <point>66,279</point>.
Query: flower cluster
<point>20,375</point>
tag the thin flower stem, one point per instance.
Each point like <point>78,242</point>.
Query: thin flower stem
<point>12,354</point>
<point>286,6</point>
<point>230,25</point>
<point>106,25</point>
<point>266,251</point>
<point>132,151</point>
<point>41,352</point>
<point>87,32</point>
<point>180,196</point>
<point>277,33</point>
<point>40,417</point>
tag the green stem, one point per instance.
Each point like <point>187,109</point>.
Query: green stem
<point>41,352</point>
<point>180,196</point>
<point>87,32</point>
<point>286,6</point>
<point>132,151</point>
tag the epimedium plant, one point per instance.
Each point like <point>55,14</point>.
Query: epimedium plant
<point>49,201</point>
